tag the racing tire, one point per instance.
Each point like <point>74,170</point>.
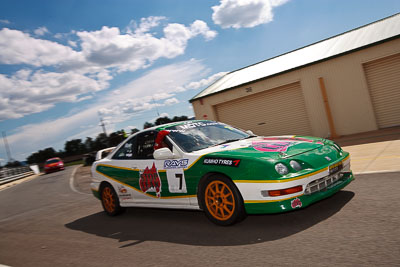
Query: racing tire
<point>221,201</point>
<point>110,201</point>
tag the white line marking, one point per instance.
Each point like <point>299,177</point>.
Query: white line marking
<point>71,182</point>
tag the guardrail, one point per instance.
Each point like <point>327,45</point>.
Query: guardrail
<point>11,174</point>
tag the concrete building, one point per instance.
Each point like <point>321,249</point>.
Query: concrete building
<point>346,84</point>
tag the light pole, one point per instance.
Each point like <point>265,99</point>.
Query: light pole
<point>102,124</point>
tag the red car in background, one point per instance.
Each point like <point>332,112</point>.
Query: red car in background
<point>53,164</point>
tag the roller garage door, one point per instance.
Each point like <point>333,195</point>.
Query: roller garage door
<point>279,111</point>
<point>383,78</point>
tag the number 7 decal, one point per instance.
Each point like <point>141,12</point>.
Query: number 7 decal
<point>180,177</point>
<point>176,181</point>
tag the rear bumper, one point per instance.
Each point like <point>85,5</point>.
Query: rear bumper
<point>301,201</point>
<point>95,188</point>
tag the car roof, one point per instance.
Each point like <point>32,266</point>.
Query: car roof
<point>166,125</point>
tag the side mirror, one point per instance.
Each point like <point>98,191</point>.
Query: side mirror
<point>101,154</point>
<point>163,153</point>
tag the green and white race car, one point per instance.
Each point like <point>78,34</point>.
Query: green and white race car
<point>219,169</point>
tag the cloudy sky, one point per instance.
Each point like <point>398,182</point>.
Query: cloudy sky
<point>65,64</point>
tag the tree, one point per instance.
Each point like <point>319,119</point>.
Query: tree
<point>117,137</point>
<point>163,120</point>
<point>12,164</point>
<point>134,130</point>
<point>74,147</point>
<point>42,155</point>
<point>101,142</point>
<point>180,118</point>
<point>89,144</point>
<point>147,125</point>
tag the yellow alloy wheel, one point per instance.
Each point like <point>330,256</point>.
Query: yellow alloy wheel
<point>220,200</point>
<point>108,199</point>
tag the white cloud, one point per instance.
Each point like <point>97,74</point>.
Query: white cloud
<point>145,25</point>
<point>244,13</point>
<point>17,47</point>
<point>4,21</point>
<point>205,82</point>
<point>83,98</point>
<point>28,92</point>
<point>41,31</point>
<point>200,27</point>
<point>72,43</point>
<point>54,133</point>
<point>104,48</point>
<point>109,48</point>
<point>171,101</point>
<point>33,137</point>
<point>72,75</point>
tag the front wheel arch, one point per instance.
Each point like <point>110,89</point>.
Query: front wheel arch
<point>201,184</point>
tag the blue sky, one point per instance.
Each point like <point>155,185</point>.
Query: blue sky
<point>65,63</point>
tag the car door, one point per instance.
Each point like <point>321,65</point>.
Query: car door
<point>147,180</point>
<point>161,181</point>
<point>121,168</point>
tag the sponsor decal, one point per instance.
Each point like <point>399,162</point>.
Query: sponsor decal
<point>272,146</point>
<point>328,158</point>
<point>122,189</point>
<point>176,164</point>
<point>299,139</point>
<point>222,162</point>
<point>296,203</point>
<point>279,144</point>
<point>150,181</point>
<point>125,197</point>
<point>123,193</point>
<point>195,125</point>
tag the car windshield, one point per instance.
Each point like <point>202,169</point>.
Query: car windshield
<point>199,135</point>
<point>52,161</point>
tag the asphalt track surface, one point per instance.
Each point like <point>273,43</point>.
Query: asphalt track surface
<point>54,221</point>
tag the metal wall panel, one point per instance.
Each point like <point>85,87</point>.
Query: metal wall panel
<point>346,86</point>
<point>358,38</point>
<point>383,78</point>
<point>278,111</point>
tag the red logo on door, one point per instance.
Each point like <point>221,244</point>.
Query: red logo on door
<point>150,181</point>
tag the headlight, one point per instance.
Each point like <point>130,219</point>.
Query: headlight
<point>336,146</point>
<point>295,165</point>
<point>281,169</point>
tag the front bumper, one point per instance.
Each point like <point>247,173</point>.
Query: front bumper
<point>301,201</point>
<point>53,169</point>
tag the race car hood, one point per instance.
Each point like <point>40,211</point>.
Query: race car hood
<point>267,147</point>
